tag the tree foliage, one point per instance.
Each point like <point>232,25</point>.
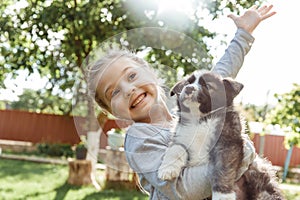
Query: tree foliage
<point>256,113</point>
<point>287,114</point>
<point>36,101</point>
<point>54,38</point>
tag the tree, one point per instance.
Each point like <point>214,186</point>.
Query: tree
<point>287,115</point>
<point>256,113</point>
<point>41,101</point>
<point>54,38</point>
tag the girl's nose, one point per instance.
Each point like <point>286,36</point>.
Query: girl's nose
<point>129,93</point>
<point>130,89</point>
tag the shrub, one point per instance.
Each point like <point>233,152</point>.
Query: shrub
<point>55,150</point>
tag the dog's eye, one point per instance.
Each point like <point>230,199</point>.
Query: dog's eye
<point>206,85</point>
<point>202,82</point>
<point>211,86</point>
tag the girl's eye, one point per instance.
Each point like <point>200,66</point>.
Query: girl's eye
<point>115,92</point>
<point>131,76</point>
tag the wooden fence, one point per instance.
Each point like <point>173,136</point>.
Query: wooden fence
<point>275,151</point>
<point>46,128</point>
<point>38,128</point>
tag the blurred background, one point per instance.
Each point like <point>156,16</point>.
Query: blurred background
<point>46,45</point>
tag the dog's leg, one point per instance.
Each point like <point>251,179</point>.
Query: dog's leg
<point>175,158</point>
<point>226,159</point>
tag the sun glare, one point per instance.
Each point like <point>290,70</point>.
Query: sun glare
<point>182,6</point>
<point>175,13</point>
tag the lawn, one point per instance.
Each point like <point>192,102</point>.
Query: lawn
<point>28,180</point>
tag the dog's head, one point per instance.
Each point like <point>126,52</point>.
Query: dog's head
<point>202,93</point>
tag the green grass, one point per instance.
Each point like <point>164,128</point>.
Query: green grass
<point>20,180</point>
<point>291,191</point>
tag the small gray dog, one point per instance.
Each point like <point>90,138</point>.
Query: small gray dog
<point>209,131</point>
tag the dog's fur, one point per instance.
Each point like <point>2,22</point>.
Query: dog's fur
<point>209,131</point>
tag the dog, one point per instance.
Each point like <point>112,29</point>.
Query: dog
<point>209,131</point>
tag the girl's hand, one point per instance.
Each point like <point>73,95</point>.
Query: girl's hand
<point>252,17</point>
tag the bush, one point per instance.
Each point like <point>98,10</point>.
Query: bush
<point>55,150</point>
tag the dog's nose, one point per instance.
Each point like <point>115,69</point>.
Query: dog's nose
<point>190,89</point>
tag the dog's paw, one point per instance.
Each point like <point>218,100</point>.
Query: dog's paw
<point>168,173</point>
<point>223,196</point>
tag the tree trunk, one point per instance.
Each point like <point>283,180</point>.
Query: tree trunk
<point>80,172</point>
<point>118,172</point>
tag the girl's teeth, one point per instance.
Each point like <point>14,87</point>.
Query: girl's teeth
<point>136,102</point>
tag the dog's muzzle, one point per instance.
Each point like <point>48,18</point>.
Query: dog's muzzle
<point>189,92</point>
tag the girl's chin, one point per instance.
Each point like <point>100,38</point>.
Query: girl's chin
<point>142,114</point>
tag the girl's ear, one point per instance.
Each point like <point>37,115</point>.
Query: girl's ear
<point>232,87</point>
<point>177,88</point>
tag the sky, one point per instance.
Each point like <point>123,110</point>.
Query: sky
<point>270,67</point>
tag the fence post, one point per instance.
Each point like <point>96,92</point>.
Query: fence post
<point>261,144</point>
<point>287,161</point>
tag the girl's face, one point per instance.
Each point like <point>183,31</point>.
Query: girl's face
<point>128,89</point>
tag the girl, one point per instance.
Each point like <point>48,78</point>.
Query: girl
<point>125,86</point>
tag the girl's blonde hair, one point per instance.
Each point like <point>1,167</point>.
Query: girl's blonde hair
<point>96,69</point>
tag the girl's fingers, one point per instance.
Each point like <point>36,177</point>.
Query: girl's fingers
<point>253,7</point>
<point>268,15</point>
<point>264,13</point>
<point>265,10</point>
<point>232,16</point>
<point>261,9</point>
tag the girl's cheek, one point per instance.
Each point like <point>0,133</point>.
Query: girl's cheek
<point>114,107</point>
<point>119,108</point>
<point>154,90</point>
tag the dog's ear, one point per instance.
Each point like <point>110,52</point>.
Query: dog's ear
<point>232,86</point>
<point>177,88</point>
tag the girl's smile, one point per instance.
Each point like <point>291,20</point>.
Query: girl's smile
<point>129,90</point>
<point>138,101</point>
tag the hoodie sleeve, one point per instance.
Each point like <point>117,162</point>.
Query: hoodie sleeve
<point>233,58</point>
